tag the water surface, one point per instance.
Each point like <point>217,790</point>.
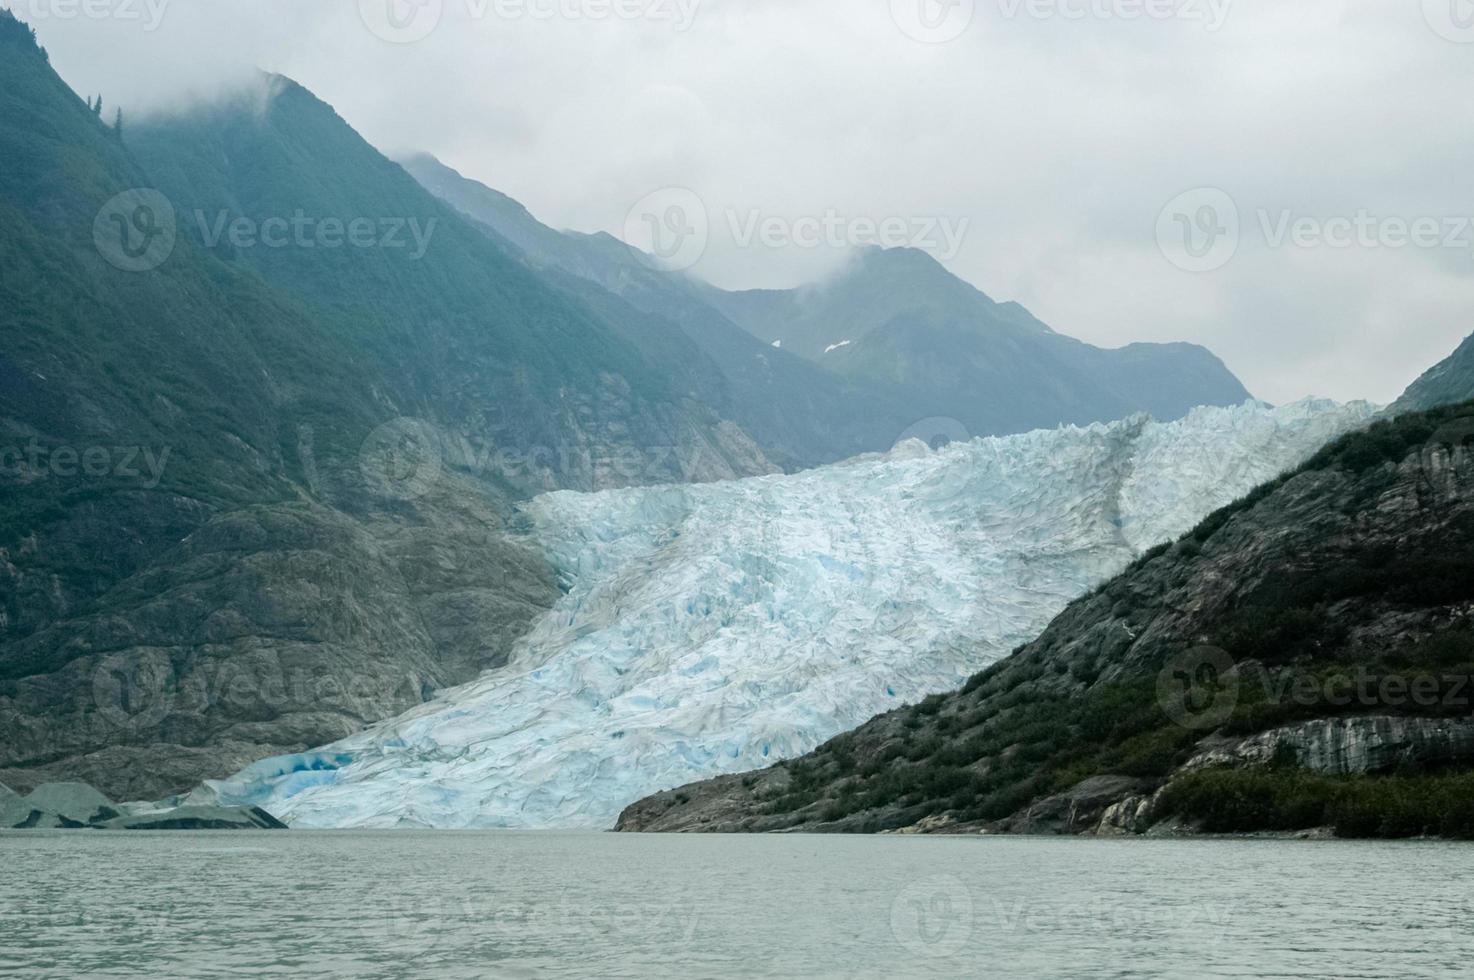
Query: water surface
<point>543,904</point>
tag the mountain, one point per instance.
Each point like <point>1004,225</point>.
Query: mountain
<point>708,628</point>
<point>897,317</point>
<point>448,314</point>
<point>801,414</point>
<point>1448,382</point>
<point>892,342</point>
<point>1301,659</point>
<point>878,287</point>
<point>259,463</point>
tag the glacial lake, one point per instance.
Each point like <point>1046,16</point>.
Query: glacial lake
<point>543,904</point>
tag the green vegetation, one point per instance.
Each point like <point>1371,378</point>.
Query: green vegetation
<point>1289,616</point>
<point>1239,800</point>
<point>21,36</point>
<point>993,759</point>
<point>1008,743</point>
<point>1320,687</point>
<point>261,370</point>
<point>92,356</point>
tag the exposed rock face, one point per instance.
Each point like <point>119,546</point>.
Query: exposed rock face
<point>1365,744</point>
<point>1131,814</point>
<point>720,804</point>
<point>1365,556</point>
<point>268,630</point>
<point>1078,810</point>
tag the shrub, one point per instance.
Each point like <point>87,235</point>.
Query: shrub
<point>1393,806</point>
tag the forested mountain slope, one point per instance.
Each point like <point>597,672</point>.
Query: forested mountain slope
<point>257,478</point>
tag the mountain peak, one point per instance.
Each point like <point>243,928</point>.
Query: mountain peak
<point>901,267</point>
<point>896,257</point>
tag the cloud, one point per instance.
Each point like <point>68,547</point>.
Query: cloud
<point>1057,130</point>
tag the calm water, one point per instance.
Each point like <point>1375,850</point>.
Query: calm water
<point>509,904</point>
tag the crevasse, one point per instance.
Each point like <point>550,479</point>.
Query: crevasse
<point>721,627</point>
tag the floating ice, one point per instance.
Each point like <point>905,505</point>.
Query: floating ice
<point>720,627</point>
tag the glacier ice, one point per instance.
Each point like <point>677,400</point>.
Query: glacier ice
<point>721,627</point>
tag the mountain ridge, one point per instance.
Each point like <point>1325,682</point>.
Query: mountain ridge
<point>802,415</point>
<point>898,316</point>
<point>923,344</point>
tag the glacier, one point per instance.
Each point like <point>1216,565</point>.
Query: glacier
<point>716,628</point>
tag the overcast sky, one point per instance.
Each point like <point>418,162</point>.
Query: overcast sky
<point>1094,155</point>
